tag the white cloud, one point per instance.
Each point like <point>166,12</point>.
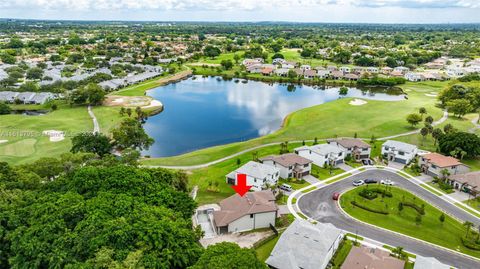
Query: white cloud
<point>418,3</point>
<point>159,4</point>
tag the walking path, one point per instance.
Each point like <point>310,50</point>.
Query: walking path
<point>197,166</point>
<point>96,126</point>
<point>476,125</point>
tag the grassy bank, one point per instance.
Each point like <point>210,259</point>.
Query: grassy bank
<point>447,234</point>
<point>376,118</point>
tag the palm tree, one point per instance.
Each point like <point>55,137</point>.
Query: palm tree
<point>398,251</point>
<point>436,133</point>
<point>445,173</point>
<point>424,133</point>
<point>469,225</point>
<point>422,111</point>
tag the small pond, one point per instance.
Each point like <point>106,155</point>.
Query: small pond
<point>202,112</point>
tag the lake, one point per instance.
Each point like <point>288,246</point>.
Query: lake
<point>202,112</point>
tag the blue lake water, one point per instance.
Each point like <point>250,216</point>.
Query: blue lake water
<point>202,112</point>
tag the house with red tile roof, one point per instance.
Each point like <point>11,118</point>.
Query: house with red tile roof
<point>434,163</point>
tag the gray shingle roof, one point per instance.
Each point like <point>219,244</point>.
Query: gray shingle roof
<point>304,245</point>
<point>400,145</point>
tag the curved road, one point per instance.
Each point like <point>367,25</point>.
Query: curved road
<point>319,206</point>
<point>197,166</point>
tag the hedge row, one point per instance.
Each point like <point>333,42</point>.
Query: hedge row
<point>419,209</point>
<point>372,193</point>
<point>379,211</point>
<point>471,244</point>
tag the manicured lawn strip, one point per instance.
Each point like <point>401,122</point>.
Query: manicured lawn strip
<point>353,236</point>
<point>263,251</point>
<point>324,173</point>
<point>474,212</point>
<point>432,189</point>
<point>327,120</point>
<point>337,179</point>
<point>406,253</point>
<point>215,174</point>
<point>440,189</point>
<point>431,229</point>
<point>342,253</point>
<point>296,184</point>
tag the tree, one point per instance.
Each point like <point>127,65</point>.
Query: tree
<point>436,133</point>
<point>130,156</point>
<point>91,142</point>
<point>459,107</point>
<point>239,161</point>
<point>418,219</point>
<point>227,64</point>
<point>442,218</point>
<point>467,225</point>
<point>130,134</point>
<point>424,132</point>
<point>400,207</point>
<point>5,109</point>
<point>429,119</point>
<point>34,73</point>
<point>454,143</point>
<point>228,255</point>
<point>422,111</point>
<point>236,58</point>
<point>448,128</point>
<point>399,252</point>
<point>211,51</point>
<point>414,119</point>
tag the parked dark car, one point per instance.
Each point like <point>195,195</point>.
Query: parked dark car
<point>370,181</point>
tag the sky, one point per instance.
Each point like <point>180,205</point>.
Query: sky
<point>351,11</point>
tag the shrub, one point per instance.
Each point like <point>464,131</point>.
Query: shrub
<point>420,209</point>
<point>470,243</point>
<point>372,193</point>
<point>374,210</point>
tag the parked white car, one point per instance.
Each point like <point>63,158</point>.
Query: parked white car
<point>387,182</point>
<point>358,182</point>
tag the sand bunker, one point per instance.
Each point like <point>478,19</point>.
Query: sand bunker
<point>3,141</point>
<point>118,100</point>
<point>357,102</point>
<point>154,103</point>
<point>55,136</point>
<point>430,95</point>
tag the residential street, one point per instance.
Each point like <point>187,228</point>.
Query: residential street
<point>320,206</point>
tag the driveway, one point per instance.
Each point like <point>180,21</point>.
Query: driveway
<point>311,179</point>
<point>318,205</point>
<point>396,165</point>
<point>424,178</point>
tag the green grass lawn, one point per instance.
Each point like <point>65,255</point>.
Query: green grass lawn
<point>324,173</point>
<point>206,178</point>
<point>263,251</point>
<point>342,253</point>
<point>435,185</point>
<point>430,229</point>
<point>376,118</point>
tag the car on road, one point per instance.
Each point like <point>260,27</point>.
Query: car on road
<point>358,182</point>
<point>370,181</point>
<point>335,196</point>
<point>387,182</point>
<point>286,187</point>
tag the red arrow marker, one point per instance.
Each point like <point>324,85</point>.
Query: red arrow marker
<point>241,188</point>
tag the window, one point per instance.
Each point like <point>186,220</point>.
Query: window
<point>386,148</point>
<point>305,165</point>
<point>401,153</point>
<point>251,216</point>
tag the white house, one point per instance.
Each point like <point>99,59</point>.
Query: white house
<point>353,147</point>
<point>399,152</point>
<point>345,69</point>
<point>322,154</point>
<point>372,69</point>
<point>258,175</point>
<point>252,211</point>
<point>433,163</point>
<point>411,76</point>
<point>401,69</point>
<point>290,165</point>
<point>289,65</point>
<point>323,73</point>
<point>305,245</point>
<point>305,67</point>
